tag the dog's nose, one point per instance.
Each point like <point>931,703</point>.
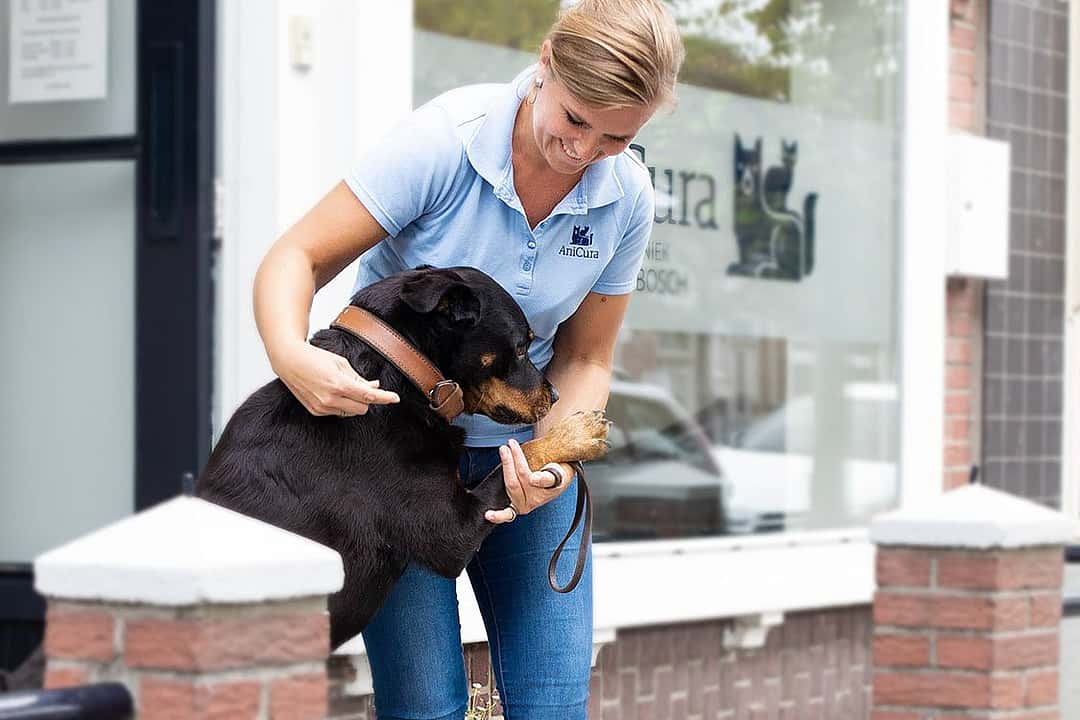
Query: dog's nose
<point>554,394</point>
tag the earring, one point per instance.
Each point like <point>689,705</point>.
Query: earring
<point>539,83</point>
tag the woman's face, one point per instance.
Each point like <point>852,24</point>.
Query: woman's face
<point>571,135</point>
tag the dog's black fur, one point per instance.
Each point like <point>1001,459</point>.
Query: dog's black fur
<point>383,488</point>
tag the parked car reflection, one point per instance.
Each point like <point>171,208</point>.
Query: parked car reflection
<point>659,479</point>
<point>770,465</point>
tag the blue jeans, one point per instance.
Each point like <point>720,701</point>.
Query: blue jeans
<point>540,640</point>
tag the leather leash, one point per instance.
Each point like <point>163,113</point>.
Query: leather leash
<point>444,396</point>
<point>584,503</point>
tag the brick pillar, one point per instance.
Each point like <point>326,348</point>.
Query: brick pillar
<point>968,607</point>
<point>199,611</point>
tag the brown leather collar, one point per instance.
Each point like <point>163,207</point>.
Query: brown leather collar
<point>444,396</point>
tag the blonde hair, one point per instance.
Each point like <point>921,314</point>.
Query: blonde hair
<point>616,53</point>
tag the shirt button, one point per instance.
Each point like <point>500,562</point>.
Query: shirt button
<point>532,244</point>
<point>527,266</point>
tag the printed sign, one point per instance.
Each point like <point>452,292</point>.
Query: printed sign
<point>58,50</point>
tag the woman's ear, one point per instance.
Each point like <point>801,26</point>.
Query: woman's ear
<point>545,59</point>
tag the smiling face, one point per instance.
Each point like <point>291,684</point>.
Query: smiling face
<point>570,135</point>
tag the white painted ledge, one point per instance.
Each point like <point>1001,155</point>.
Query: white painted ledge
<point>186,552</point>
<point>975,517</point>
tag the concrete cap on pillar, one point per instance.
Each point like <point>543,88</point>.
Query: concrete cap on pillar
<point>187,551</point>
<point>974,516</point>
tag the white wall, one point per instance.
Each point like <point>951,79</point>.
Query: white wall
<point>286,136</point>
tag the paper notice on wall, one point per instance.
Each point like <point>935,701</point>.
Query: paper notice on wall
<point>59,50</point>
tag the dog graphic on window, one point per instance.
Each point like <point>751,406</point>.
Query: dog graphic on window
<point>774,241</point>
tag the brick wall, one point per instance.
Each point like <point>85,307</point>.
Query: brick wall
<point>964,296</point>
<point>815,666</point>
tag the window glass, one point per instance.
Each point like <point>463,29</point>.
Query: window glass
<point>756,382</point>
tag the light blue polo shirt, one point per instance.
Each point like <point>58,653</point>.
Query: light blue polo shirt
<point>442,185</point>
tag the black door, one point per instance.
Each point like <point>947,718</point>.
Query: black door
<point>106,176</point>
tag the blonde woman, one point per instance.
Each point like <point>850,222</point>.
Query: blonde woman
<point>532,183</point>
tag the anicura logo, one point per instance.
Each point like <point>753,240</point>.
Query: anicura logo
<point>580,244</point>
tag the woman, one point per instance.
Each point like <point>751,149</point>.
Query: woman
<point>532,183</point>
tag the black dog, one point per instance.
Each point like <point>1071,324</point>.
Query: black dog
<point>383,488</point>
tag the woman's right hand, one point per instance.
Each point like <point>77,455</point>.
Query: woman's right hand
<point>326,384</point>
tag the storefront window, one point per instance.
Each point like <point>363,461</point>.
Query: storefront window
<point>756,387</point>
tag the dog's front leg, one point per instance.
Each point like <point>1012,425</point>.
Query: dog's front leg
<point>581,436</point>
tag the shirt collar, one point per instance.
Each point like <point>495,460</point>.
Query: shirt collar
<point>489,153</point>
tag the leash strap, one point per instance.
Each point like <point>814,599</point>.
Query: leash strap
<point>584,503</point>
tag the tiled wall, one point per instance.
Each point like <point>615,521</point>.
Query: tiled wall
<point>1022,390</point>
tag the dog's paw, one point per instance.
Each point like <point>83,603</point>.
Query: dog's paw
<point>581,436</point>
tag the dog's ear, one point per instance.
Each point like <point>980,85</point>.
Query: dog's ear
<point>450,296</point>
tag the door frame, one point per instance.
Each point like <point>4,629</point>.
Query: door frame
<point>173,151</point>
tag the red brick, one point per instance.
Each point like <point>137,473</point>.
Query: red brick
<point>961,87</point>
<point>958,454</point>
<point>979,613</point>
<point>192,644</point>
<point>1045,609</point>
<point>958,403</point>
<point>958,350</point>
<point>66,677</point>
<point>901,610</point>
<point>961,10</point>
<point>962,116</point>
<point>230,700</point>
<point>973,652</point>
<point>903,568</point>
<point>948,690</point>
<point>962,62</point>
<point>1042,689</point>
<point>890,715</point>
<point>957,478</point>
<point>957,429</point>
<point>1009,570</point>
<point>959,325</point>
<point>1006,692</point>
<point>300,697</point>
<point>961,38</point>
<point>901,651</point>
<point>161,699</point>
<point>957,377</point>
<point>79,634</point>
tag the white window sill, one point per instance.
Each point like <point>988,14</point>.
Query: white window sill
<point>673,581</point>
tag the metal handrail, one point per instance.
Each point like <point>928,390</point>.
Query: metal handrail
<point>102,701</point>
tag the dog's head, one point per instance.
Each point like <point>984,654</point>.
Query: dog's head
<point>477,335</point>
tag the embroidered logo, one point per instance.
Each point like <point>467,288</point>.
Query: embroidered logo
<point>580,244</point>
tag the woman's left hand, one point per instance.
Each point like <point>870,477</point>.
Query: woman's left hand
<point>527,488</point>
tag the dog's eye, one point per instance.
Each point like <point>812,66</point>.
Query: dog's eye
<point>522,350</point>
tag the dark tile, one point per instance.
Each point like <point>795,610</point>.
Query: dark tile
<point>997,62</point>
<point>992,474</point>
<point>1056,235</point>
<point>1019,106</point>
<point>1019,149</point>
<point>1018,280</point>
<point>1041,29</point>
<point>1033,349</point>
<point>1020,25</point>
<point>997,100</point>
<point>1040,152</point>
<point>1034,324</point>
<point>1059,79</point>
<point>999,14</point>
<point>1053,398</point>
<point>1041,70</point>
<point>1014,394</point>
<point>1038,233</point>
<point>1052,437</point>
<point>1039,193</point>
<point>1059,114</point>
<point>1040,112</point>
<point>1052,474</point>
<point>1055,277</point>
<point>1036,398</point>
<point>1057,196</point>
<point>994,396</point>
<point>1059,35</point>
<point>1035,431</point>
<point>1053,363</point>
<point>1055,328</point>
<point>1018,190</point>
<point>994,354</point>
<point>1058,156</point>
<point>1019,66</point>
<point>995,312</point>
<point>1015,439</point>
<point>1014,362</point>
<point>1032,487</point>
<point>997,130</point>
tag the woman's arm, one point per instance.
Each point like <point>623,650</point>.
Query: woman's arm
<point>580,370</point>
<point>310,253</point>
